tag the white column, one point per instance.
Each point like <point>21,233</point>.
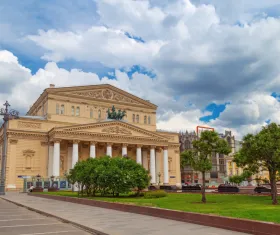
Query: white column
<point>92,151</point>
<point>124,149</point>
<point>153,165</point>
<point>50,161</point>
<point>56,158</point>
<point>165,166</point>
<point>75,154</point>
<point>139,154</point>
<point>69,157</point>
<point>109,149</point>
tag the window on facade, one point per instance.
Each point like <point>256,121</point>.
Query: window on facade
<point>133,118</point>
<point>62,109</point>
<point>57,108</point>
<point>78,111</point>
<point>28,162</point>
<point>91,113</point>
<point>145,119</point>
<point>149,120</point>
<point>99,113</point>
<point>137,118</point>
<point>73,111</point>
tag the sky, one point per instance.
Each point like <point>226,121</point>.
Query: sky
<point>203,62</point>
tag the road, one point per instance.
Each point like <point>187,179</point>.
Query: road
<point>15,220</point>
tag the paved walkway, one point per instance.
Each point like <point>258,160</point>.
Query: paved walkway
<point>114,222</point>
<point>15,220</point>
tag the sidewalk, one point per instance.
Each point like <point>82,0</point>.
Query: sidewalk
<point>113,222</point>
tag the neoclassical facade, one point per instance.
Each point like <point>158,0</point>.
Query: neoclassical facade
<point>70,124</point>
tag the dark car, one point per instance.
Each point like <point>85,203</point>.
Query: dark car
<point>262,189</point>
<point>227,188</point>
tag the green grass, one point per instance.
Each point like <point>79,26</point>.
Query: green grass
<point>238,206</point>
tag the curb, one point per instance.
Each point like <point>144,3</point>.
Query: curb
<point>85,228</point>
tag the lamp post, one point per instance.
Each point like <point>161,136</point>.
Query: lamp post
<point>8,114</point>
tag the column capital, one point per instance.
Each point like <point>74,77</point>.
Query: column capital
<point>153,147</point>
<point>165,147</point>
<point>56,141</point>
<point>139,145</point>
<point>76,141</point>
<point>124,145</point>
<point>93,142</point>
<point>109,144</point>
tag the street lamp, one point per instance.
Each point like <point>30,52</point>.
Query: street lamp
<point>7,115</point>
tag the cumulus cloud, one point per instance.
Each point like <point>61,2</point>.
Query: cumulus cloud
<point>11,72</point>
<point>109,46</point>
<point>199,53</point>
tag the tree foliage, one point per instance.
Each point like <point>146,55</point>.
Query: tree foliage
<point>107,175</point>
<point>199,158</point>
<point>262,152</point>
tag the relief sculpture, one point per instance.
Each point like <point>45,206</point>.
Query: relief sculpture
<point>116,130</point>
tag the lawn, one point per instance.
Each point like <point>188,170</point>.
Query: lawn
<point>238,206</point>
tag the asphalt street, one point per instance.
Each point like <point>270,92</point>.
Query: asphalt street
<point>16,220</point>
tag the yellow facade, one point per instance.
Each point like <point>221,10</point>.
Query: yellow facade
<point>64,117</point>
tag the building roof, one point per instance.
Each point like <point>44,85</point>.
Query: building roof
<point>53,90</point>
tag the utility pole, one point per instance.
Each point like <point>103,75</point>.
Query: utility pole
<point>7,115</point>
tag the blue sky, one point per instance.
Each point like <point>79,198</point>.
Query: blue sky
<point>171,52</point>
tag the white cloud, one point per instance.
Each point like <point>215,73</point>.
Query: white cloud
<point>109,46</point>
<point>195,50</point>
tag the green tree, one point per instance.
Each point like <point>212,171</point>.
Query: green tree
<point>199,158</point>
<point>262,152</point>
<point>236,179</point>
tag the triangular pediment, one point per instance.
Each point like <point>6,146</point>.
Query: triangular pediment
<point>107,93</point>
<point>113,128</point>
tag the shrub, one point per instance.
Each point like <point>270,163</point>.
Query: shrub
<point>109,176</point>
<point>155,194</point>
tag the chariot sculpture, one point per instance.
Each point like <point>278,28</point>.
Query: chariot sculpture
<point>117,115</point>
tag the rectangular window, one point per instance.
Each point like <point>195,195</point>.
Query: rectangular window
<point>91,113</point>
<point>78,111</point>
<point>62,109</point>
<point>73,111</point>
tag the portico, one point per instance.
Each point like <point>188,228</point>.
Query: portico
<point>148,150</point>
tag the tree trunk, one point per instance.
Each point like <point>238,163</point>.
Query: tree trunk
<point>274,188</point>
<point>271,184</point>
<point>203,188</point>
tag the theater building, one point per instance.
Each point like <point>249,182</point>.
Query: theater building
<point>69,124</point>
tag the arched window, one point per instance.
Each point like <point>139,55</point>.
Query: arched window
<point>62,109</point>
<point>145,119</point>
<point>73,111</point>
<point>78,111</point>
<point>99,113</point>
<point>91,113</point>
<point>137,118</point>
<point>57,108</point>
<point>133,118</point>
<point>149,120</point>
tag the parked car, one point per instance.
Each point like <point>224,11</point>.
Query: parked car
<point>262,189</point>
<point>227,188</point>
